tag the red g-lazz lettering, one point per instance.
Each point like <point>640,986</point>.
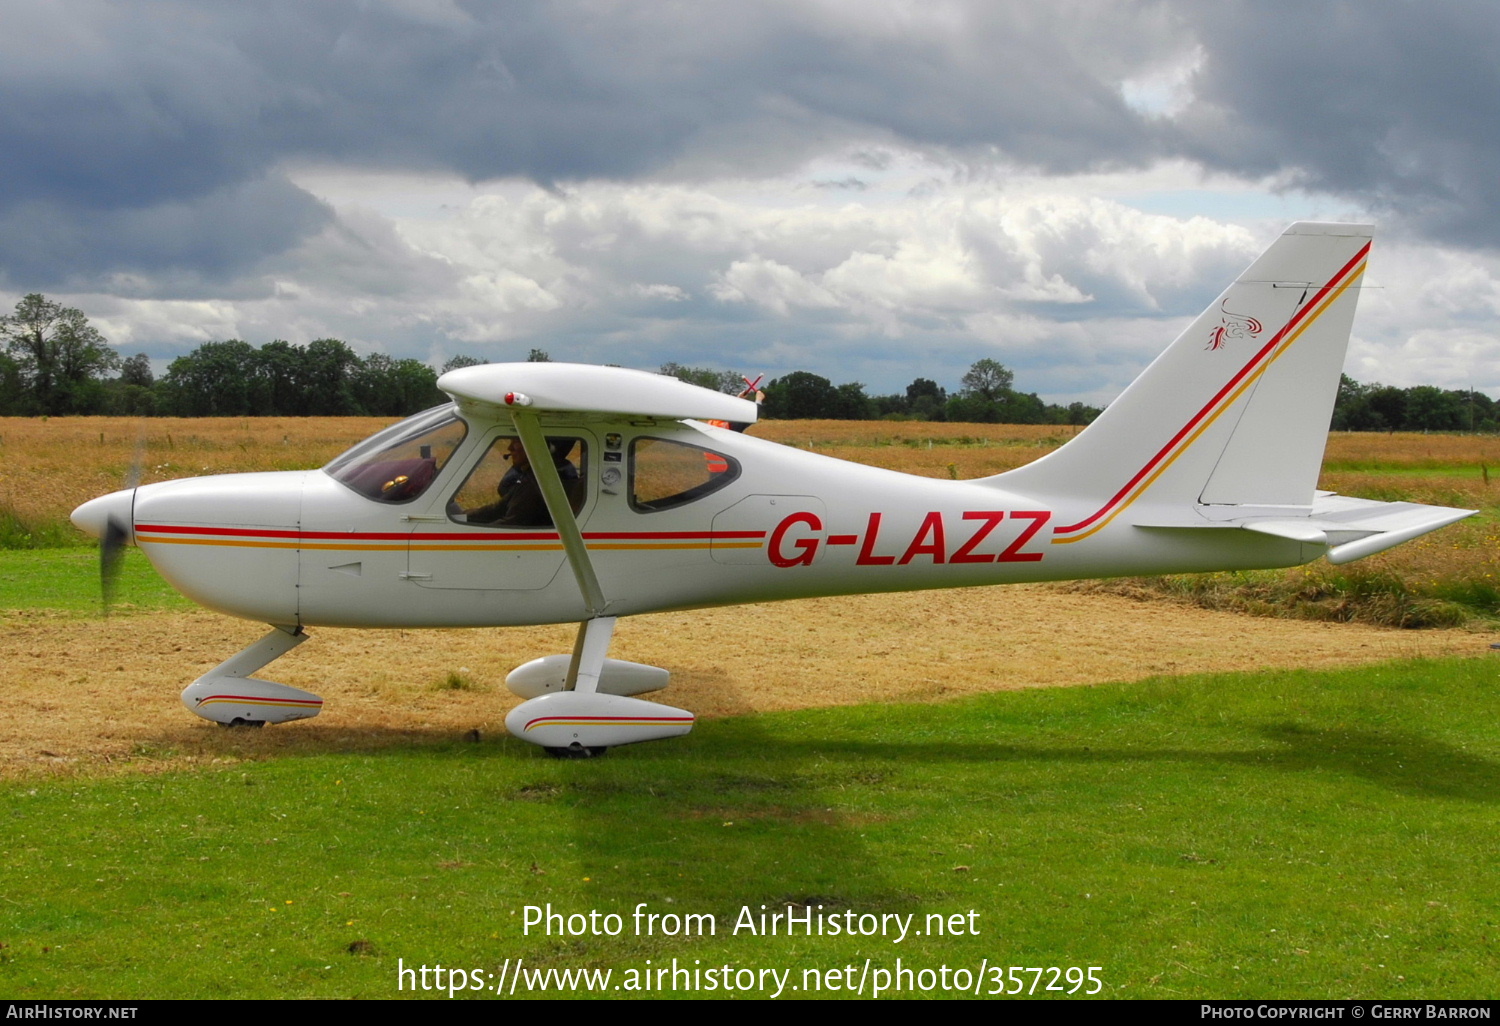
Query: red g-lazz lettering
<point>867,555</point>
<point>808,547</point>
<point>931,527</point>
<point>991,519</point>
<point>1013,553</point>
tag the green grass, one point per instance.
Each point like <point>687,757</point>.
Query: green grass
<point>57,533</point>
<point>67,580</point>
<point>1287,834</point>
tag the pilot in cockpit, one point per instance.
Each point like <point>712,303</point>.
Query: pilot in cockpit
<point>520,502</point>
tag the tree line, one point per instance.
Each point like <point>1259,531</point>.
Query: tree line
<point>987,396</point>
<point>1377,407</point>
<point>53,362</point>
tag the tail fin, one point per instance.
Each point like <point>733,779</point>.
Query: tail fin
<point>1232,418</point>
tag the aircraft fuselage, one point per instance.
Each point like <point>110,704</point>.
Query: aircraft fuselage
<point>303,548</point>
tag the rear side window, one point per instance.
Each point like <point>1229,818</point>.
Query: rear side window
<point>666,474</point>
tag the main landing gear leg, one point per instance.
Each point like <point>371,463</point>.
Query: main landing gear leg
<point>589,648</point>
<point>228,695</point>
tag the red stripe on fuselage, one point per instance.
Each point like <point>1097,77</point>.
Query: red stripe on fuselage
<point>251,532</point>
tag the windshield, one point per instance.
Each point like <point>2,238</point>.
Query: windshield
<point>397,464</point>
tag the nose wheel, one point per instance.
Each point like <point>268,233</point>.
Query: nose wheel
<point>229,696</point>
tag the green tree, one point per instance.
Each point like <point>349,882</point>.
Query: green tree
<point>14,398</point>
<point>538,356</point>
<point>1387,403</point>
<point>800,395</point>
<point>218,379</point>
<point>925,399</point>
<point>1020,408</point>
<point>331,367</point>
<point>395,388</point>
<point>59,356</point>
<point>850,402</point>
<point>137,371</point>
<point>1079,414</point>
<point>1429,408</point>
<point>460,361</point>
<point>131,394</point>
<point>988,380</point>
<point>726,381</point>
<point>281,380</point>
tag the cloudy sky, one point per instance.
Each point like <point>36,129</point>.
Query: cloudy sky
<point>869,189</point>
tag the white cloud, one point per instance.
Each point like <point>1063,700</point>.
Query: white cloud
<point>926,267</point>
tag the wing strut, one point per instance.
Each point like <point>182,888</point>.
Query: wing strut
<point>550,482</point>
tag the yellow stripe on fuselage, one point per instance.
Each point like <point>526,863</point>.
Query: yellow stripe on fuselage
<point>497,546</point>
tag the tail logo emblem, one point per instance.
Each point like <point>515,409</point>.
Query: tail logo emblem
<point>1232,325</point>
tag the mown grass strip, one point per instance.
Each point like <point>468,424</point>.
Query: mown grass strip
<point>67,580</point>
<point>1270,835</point>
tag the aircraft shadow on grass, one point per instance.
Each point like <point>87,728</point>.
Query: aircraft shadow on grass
<point>1399,761</point>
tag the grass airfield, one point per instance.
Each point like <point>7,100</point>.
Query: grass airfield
<point>1278,834</point>
<point>1321,832</point>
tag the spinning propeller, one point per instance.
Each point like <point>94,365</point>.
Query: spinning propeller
<point>110,519</point>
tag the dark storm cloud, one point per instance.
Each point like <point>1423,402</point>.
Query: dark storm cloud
<point>1391,104</point>
<point>151,137</point>
<point>130,103</point>
<point>177,245</point>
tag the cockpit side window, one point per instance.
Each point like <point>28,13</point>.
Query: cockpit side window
<point>666,474</point>
<point>501,490</point>
<point>399,464</point>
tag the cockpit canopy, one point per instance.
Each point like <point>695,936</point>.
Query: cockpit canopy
<point>398,464</point>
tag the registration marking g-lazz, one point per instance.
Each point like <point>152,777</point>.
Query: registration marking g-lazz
<point>797,541</point>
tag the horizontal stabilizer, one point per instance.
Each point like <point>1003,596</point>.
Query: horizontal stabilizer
<point>1350,528</point>
<point>1388,523</point>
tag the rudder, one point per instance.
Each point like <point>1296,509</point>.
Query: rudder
<point>1235,413</point>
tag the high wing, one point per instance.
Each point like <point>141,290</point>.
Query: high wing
<point>586,389</point>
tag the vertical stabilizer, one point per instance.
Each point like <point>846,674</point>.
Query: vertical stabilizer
<point>1233,414</point>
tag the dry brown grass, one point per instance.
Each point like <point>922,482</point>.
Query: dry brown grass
<point>97,696</point>
<point>101,696</point>
<point>929,449</point>
<point>1413,450</point>
<point>52,465</point>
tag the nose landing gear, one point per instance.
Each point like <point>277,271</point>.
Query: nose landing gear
<point>229,696</point>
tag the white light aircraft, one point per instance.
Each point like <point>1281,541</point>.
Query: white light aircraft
<point>620,497</point>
